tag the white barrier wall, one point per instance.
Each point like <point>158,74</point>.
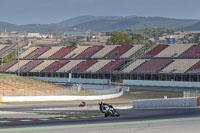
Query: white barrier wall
<point>57,98</point>
<point>163,103</point>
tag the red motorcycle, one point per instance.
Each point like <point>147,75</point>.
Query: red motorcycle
<point>82,104</point>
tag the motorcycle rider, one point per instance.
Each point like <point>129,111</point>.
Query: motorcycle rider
<point>108,109</point>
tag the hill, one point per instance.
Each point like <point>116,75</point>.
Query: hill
<point>194,27</point>
<point>104,23</point>
<point>16,85</point>
<point>134,23</point>
<point>84,19</point>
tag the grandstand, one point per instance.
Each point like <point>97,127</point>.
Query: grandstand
<point>167,62</point>
<point>162,62</point>
<point>62,60</point>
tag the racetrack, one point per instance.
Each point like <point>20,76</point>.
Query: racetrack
<point>143,120</point>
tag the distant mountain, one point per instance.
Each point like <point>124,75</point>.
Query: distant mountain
<point>7,26</point>
<point>134,23</point>
<point>194,27</point>
<point>86,18</point>
<point>104,23</point>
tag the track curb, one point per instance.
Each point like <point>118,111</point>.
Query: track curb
<point>50,119</point>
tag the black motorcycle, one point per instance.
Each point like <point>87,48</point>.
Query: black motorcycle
<point>108,110</point>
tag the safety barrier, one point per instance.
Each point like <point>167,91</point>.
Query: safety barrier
<point>167,103</point>
<point>161,83</point>
<point>123,82</point>
<point>57,98</point>
<point>72,80</point>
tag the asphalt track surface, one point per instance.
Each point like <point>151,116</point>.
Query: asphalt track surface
<point>129,120</point>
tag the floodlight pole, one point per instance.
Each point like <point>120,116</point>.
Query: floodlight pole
<point>2,61</point>
<point>18,72</point>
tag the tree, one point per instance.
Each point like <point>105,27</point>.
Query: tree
<point>9,57</point>
<point>9,42</point>
<point>119,38</point>
<point>73,43</point>
<point>196,39</point>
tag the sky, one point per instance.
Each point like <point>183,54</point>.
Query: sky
<point>52,11</point>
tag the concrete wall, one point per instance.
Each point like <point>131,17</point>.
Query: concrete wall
<point>163,103</point>
<point>57,98</point>
<point>73,80</point>
<point>161,83</point>
<point>124,82</point>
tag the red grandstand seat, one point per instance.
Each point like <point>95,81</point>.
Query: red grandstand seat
<point>56,65</point>
<point>90,51</point>
<point>195,69</point>
<point>153,66</point>
<point>117,52</point>
<point>8,65</point>
<point>31,65</point>
<point>36,53</point>
<point>6,49</point>
<point>84,65</point>
<point>111,66</point>
<point>64,51</point>
<point>194,52</point>
<point>155,51</point>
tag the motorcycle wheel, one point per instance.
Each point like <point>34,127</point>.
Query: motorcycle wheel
<point>117,114</point>
<point>106,115</point>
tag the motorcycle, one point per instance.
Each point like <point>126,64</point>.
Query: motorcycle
<point>108,110</point>
<point>82,104</point>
